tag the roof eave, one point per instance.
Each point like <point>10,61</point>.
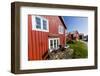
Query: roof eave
<point>63,22</point>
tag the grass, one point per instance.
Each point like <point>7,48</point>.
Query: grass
<point>80,49</point>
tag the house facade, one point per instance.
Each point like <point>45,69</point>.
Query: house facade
<point>73,36</point>
<point>81,36</point>
<point>45,33</point>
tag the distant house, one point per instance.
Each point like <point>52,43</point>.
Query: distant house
<point>45,33</point>
<point>85,38</point>
<point>73,35</point>
<point>81,36</point>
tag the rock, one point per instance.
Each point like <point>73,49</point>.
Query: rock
<point>64,53</point>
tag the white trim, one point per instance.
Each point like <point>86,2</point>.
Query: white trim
<point>60,29</point>
<point>53,43</point>
<point>34,24</point>
<point>46,21</point>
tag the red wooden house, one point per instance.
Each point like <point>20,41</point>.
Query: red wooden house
<point>44,34</point>
<point>73,36</point>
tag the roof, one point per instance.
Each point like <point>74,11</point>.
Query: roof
<point>62,22</point>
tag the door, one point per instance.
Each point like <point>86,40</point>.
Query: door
<point>53,43</point>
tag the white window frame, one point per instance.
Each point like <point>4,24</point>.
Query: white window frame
<point>34,24</point>
<point>53,43</point>
<point>40,21</point>
<point>61,29</point>
<point>46,21</point>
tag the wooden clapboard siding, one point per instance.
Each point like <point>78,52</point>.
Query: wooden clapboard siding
<point>40,45</point>
<point>30,50</point>
<point>54,22</point>
<point>62,40</point>
<point>38,40</point>
<point>34,45</point>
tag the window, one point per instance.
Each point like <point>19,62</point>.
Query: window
<point>57,44</point>
<point>44,24</point>
<point>61,29</point>
<point>53,43</point>
<point>38,23</point>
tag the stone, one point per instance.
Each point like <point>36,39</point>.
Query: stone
<point>62,53</point>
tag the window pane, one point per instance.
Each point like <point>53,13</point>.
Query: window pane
<point>38,22</point>
<point>51,44</point>
<point>54,43</point>
<point>44,24</point>
<point>57,43</point>
<point>61,29</point>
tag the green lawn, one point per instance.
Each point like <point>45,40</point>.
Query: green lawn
<point>80,49</point>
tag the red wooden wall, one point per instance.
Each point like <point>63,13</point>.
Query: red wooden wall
<point>38,41</point>
<point>54,22</point>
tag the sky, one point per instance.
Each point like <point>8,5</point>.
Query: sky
<point>76,23</point>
